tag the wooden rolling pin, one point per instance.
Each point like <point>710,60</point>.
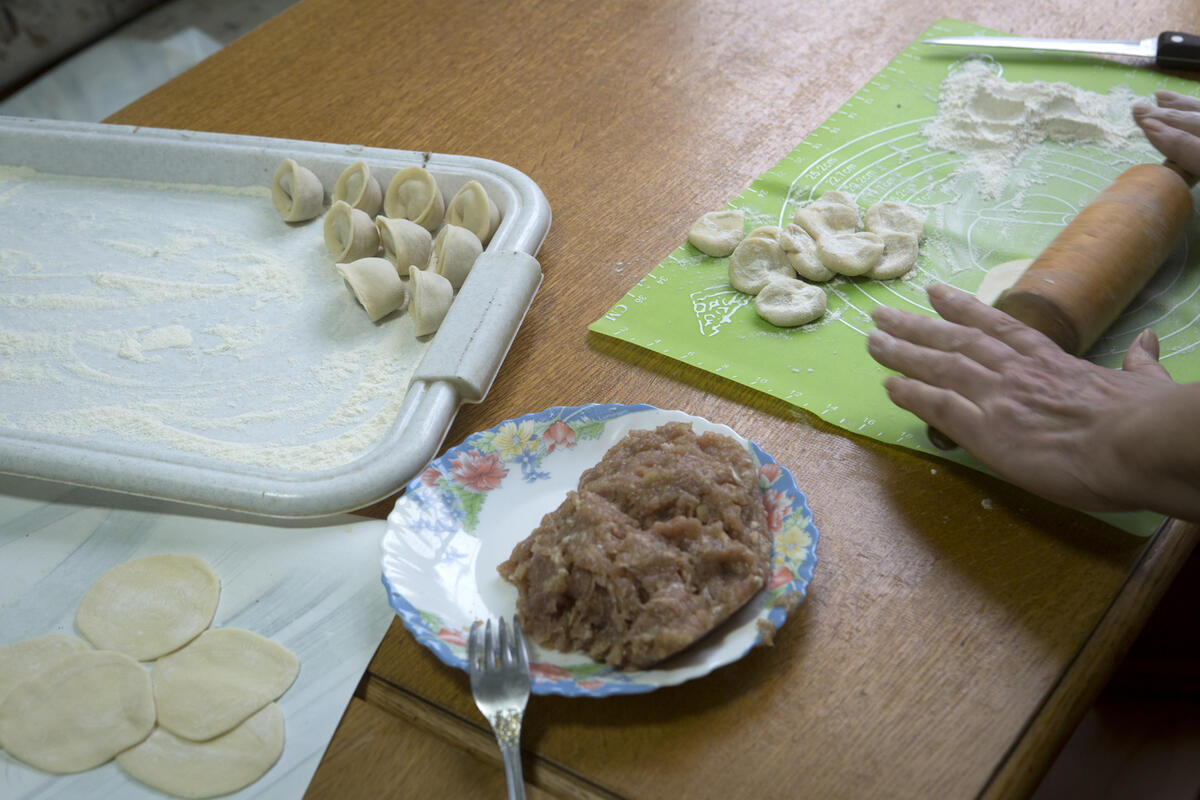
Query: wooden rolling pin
<point>1098,263</point>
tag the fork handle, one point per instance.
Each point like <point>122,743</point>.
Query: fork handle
<point>513,778</point>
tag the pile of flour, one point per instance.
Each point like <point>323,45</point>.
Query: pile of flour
<point>994,122</point>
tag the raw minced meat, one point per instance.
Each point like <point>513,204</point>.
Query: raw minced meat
<point>663,540</point>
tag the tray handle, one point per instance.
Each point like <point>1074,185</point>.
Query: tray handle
<point>474,338</point>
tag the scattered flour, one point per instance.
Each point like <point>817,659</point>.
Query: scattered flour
<point>994,122</point>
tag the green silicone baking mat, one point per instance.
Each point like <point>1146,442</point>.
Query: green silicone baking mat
<point>876,147</point>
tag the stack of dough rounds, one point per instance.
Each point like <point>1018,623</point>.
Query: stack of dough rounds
<point>297,192</point>
<point>454,252</point>
<point>350,233</point>
<point>201,723</point>
<point>473,209</point>
<point>376,285</point>
<point>430,299</point>
<point>359,188</point>
<point>413,194</point>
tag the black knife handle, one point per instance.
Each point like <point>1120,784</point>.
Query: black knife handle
<point>1178,50</point>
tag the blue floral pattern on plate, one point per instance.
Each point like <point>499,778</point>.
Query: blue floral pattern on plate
<point>465,512</point>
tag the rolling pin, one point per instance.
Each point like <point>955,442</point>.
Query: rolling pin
<point>1098,263</point>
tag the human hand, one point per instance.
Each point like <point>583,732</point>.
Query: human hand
<point>1042,419</point>
<point>1173,127</point>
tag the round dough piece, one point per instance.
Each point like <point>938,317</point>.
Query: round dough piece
<point>212,685</point>
<point>755,261</point>
<point>405,243</point>
<point>787,302</point>
<point>801,250</point>
<point>414,194</point>
<point>219,766</point>
<point>898,258</point>
<point>454,252</point>
<point>29,658</point>
<point>1000,278</point>
<point>375,284</point>
<point>297,192</point>
<point>717,232</point>
<point>471,208</point>
<point>850,253</point>
<point>890,216</point>
<point>831,213</point>
<point>769,232</point>
<point>79,713</point>
<point>149,606</point>
<point>350,233</point>
<point>431,296</point>
<point>358,187</point>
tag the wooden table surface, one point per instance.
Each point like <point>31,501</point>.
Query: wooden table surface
<point>956,627</point>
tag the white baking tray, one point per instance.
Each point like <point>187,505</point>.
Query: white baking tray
<point>164,333</point>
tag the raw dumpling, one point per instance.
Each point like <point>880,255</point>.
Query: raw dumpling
<point>888,215</point>
<point>898,258</point>
<point>79,713</point>
<point>358,187</point>
<point>215,683</point>
<point>431,297</point>
<point>850,253</point>
<point>454,252</point>
<point>801,251</point>
<point>405,243</point>
<point>717,232</point>
<point>376,285</point>
<point>471,208</point>
<point>211,768</point>
<point>149,606</point>
<point>297,192</point>
<point>350,233</point>
<point>787,302</point>
<point>414,194</point>
<point>755,261</point>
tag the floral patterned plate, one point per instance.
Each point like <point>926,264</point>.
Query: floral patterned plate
<point>464,514</point>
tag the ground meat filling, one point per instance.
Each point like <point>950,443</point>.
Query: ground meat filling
<point>662,541</point>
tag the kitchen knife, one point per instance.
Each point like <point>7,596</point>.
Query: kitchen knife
<point>1169,50</point>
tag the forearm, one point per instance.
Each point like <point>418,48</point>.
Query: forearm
<point>1156,451</point>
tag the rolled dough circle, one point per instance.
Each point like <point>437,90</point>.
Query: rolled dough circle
<point>149,606</point>
<point>79,713</point>
<point>31,657</point>
<point>1000,278</point>
<point>208,769</point>
<point>219,680</point>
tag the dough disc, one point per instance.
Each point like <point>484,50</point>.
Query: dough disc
<point>208,769</point>
<point>1000,278</point>
<point>79,713</point>
<point>149,606</point>
<point>29,658</point>
<point>217,681</point>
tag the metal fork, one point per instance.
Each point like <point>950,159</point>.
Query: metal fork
<point>500,685</point>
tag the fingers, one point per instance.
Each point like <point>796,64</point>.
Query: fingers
<point>1168,99</point>
<point>962,308</point>
<point>938,368</point>
<point>939,334</point>
<point>1173,127</point>
<point>1142,356</point>
<point>949,412</point>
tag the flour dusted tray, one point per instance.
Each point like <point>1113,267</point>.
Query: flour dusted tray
<point>163,332</point>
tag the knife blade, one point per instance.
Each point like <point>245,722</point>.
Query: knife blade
<point>1169,50</point>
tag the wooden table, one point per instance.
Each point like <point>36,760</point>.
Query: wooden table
<point>956,628</point>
